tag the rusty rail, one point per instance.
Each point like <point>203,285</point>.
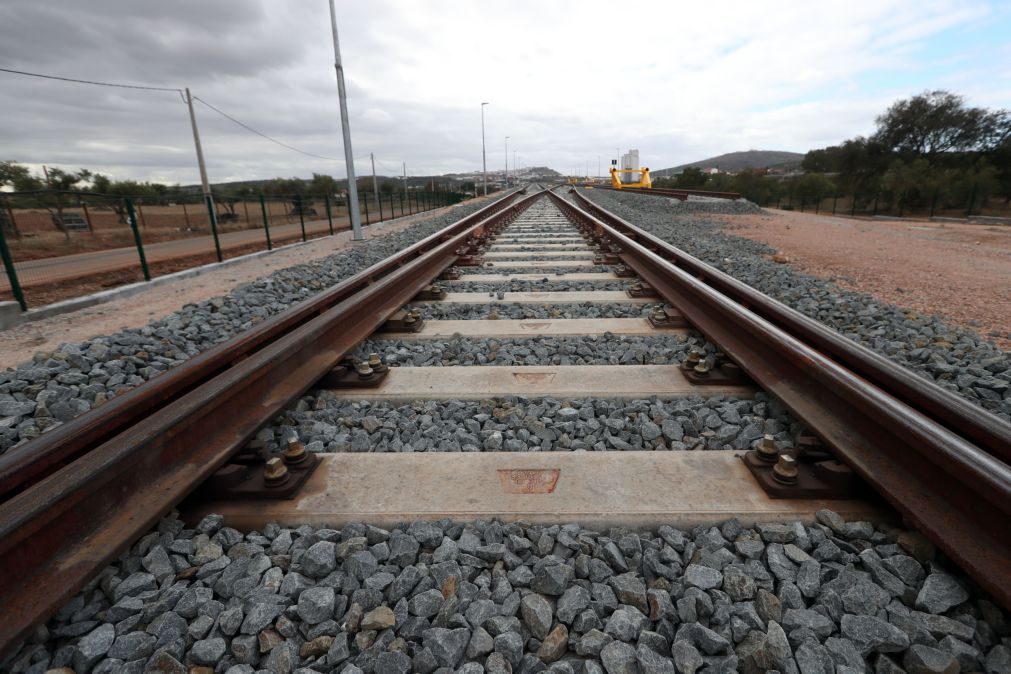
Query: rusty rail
<point>944,468</point>
<point>58,532</point>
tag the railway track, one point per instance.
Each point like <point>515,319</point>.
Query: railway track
<point>77,497</point>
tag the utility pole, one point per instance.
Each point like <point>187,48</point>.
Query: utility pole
<point>507,161</point>
<point>208,197</point>
<point>375,185</point>
<point>349,160</point>
<point>405,177</point>
<point>484,159</point>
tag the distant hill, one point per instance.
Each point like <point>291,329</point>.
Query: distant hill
<point>739,161</point>
<point>539,170</point>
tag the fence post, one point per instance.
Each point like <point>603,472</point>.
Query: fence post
<point>87,216</point>
<point>401,204</point>
<point>802,200</point>
<point>140,212</point>
<point>301,214</point>
<point>213,215</point>
<point>817,206</point>
<point>266,222</point>
<point>853,206</point>
<point>245,208</point>
<point>874,209</point>
<point>132,214</point>
<point>365,202</point>
<point>12,275</point>
<point>379,201</point>
<point>329,213</point>
<point>972,200</point>
<point>835,200</point>
<point>933,201</point>
<point>186,216</point>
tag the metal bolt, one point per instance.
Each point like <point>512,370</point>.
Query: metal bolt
<point>767,449</point>
<point>409,319</point>
<point>376,363</point>
<point>364,371</point>
<point>658,313</point>
<point>294,453</point>
<point>693,358</point>
<point>701,369</point>
<point>785,470</point>
<point>275,472</point>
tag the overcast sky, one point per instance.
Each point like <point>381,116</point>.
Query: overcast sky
<point>568,81</point>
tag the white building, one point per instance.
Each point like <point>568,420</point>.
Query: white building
<point>630,160</point>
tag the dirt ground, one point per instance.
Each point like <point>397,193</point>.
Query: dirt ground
<point>959,271</point>
<point>19,344</point>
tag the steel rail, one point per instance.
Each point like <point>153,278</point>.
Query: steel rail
<point>956,492</point>
<point>30,462</point>
<point>61,531</point>
<point>954,411</point>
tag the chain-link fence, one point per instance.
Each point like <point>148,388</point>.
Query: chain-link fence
<point>61,245</point>
<point>959,202</point>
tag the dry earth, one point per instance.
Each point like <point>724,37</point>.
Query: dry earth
<point>959,271</point>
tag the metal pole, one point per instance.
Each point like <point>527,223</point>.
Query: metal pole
<point>266,222</point>
<point>205,185</point>
<point>136,239</point>
<point>329,213</point>
<point>375,185</point>
<point>12,274</point>
<point>356,221</point>
<point>507,161</point>
<point>301,214</point>
<point>484,160</point>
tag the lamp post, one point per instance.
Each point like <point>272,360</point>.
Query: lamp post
<point>507,161</point>
<point>353,213</point>
<point>484,161</point>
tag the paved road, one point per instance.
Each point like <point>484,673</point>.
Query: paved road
<point>50,269</point>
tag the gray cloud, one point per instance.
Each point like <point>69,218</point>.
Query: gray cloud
<point>568,81</point>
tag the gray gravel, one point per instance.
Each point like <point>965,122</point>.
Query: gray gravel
<point>439,311</point>
<point>956,359</point>
<point>547,283</point>
<point>57,386</point>
<point>519,424</point>
<point>835,596</point>
<point>606,349</point>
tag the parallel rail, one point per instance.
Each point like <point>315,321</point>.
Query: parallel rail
<point>93,486</point>
<point>77,496</point>
<point>942,462</point>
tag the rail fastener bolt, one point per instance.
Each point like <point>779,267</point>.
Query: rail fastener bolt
<point>785,470</point>
<point>294,453</point>
<point>364,371</point>
<point>275,473</point>
<point>701,369</point>
<point>767,449</point>
<point>376,363</point>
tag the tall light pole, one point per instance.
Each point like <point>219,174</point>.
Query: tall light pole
<point>349,160</point>
<point>507,161</point>
<point>514,162</point>
<point>484,161</point>
<point>208,197</point>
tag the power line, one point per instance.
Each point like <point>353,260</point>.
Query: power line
<point>260,133</point>
<point>101,84</point>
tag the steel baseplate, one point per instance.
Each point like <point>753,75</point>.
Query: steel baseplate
<point>253,474</point>
<point>665,317</point>
<point>431,293</point>
<point>451,274</point>
<point>642,289</point>
<point>355,375</point>
<point>827,478</point>
<point>621,271</point>
<point>403,321</point>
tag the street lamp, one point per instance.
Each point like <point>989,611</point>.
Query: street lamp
<point>507,161</point>
<point>484,161</point>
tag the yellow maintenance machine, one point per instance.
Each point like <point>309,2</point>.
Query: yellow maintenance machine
<point>644,180</point>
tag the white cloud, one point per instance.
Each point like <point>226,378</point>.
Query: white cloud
<point>568,81</point>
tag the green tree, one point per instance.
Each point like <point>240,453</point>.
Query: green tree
<point>322,185</point>
<point>691,179</point>
<point>18,177</point>
<point>937,122</point>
